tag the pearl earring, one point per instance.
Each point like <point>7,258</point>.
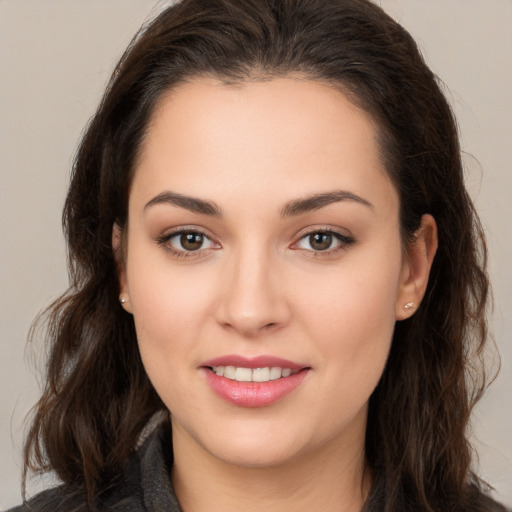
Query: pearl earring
<point>123,300</point>
<point>409,305</point>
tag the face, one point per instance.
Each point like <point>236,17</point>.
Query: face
<point>264,268</point>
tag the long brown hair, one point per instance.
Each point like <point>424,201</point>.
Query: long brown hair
<point>98,398</point>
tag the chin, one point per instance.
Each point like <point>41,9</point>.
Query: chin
<point>255,455</point>
<point>252,448</point>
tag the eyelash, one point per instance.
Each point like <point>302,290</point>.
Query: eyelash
<point>343,242</point>
<point>183,253</point>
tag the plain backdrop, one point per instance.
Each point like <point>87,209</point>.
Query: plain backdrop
<point>55,58</point>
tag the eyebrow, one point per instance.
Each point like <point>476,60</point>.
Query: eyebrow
<point>317,201</point>
<point>290,209</point>
<point>189,203</point>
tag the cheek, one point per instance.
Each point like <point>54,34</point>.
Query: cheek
<point>164,304</point>
<point>166,322</point>
<point>169,307</point>
<point>351,315</point>
<point>354,334</point>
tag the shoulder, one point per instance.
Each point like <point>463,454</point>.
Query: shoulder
<point>125,496</point>
<point>476,498</point>
<point>143,485</point>
<point>57,499</point>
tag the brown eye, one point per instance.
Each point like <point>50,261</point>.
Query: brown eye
<point>320,241</point>
<point>191,241</point>
<point>323,241</point>
<point>183,242</point>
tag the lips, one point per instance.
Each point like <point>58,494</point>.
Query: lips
<point>255,382</point>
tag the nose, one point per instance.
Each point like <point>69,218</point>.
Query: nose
<point>253,300</point>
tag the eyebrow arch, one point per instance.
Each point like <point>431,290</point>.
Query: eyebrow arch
<point>317,201</point>
<point>189,203</point>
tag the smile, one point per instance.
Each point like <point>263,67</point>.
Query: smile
<point>242,374</point>
<point>253,381</point>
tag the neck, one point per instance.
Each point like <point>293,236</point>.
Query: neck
<point>330,479</point>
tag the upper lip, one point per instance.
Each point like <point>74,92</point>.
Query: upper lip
<point>264,361</point>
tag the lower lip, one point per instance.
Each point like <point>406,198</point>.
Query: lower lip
<point>254,394</point>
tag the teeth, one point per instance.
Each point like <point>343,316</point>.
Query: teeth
<point>243,374</point>
<point>261,374</point>
<point>252,375</point>
<point>229,372</point>
<point>275,373</point>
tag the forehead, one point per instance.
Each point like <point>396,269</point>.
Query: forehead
<point>287,135</point>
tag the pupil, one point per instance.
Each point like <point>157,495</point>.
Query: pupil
<point>191,241</point>
<point>320,241</point>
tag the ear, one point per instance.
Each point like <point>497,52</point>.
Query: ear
<point>416,268</point>
<point>119,256</point>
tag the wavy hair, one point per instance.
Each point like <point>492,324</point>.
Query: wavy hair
<point>97,396</point>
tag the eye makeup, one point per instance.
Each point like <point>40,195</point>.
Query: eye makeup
<point>192,242</point>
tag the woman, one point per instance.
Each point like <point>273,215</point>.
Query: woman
<point>278,284</point>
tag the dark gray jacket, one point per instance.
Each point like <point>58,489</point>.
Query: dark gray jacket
<point>145,485</point>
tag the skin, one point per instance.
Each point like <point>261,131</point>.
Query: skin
<point>257,286</point>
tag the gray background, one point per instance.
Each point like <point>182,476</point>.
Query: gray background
<point>55,58</point>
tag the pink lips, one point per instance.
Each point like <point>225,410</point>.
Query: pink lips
<point>253,394</point>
